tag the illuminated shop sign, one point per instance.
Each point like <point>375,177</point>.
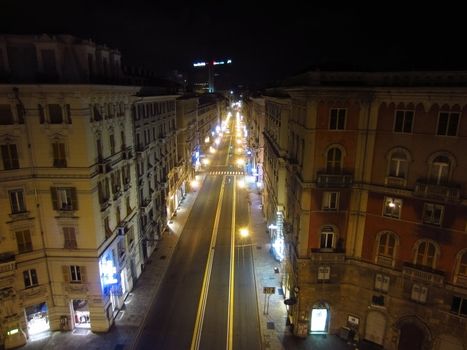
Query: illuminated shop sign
<point>108,272</point>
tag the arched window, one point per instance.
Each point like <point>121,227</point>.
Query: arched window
<point>398,164</point>
<point>440,169</point>
<point>425,254</point>
<point>334,160</point>
<point>463,265</point>
<point>386,249</point>
<point>460,276</point>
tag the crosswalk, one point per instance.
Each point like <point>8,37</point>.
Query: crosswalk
<point>226,173</point>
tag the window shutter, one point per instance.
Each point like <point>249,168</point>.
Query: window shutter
<point>53,192</point>
<point>74,199</point>
<point>66,273</point>
<point>82,270</point>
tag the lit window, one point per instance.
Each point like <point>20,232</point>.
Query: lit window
<point>392,207</point>
<point>330,200</point>
<point>433,213</point>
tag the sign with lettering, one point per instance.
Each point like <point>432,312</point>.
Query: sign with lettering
<point>269,290</point>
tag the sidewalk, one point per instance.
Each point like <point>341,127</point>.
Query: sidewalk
<point>276,335</point>
<point>123,333</point>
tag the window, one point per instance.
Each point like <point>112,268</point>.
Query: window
<point>382,282</point>
<point>330,200</point>
<point>55,113</point>
<point>337,119</point>
<point>23,240</point>
<point>6,117</point>
<point>17,201</point>
<point>463,265</point>
<point>398,165</point>
<point>69,235</point>
<point>10,157</point>
<point>403,121</point>
<point>387,244</point>
<point>334,160</point>
<point>327,238</point>
<point>75,273</point>
<point>392,207</point>
<point>419,293</point>
<point>433,213</point>
<point>30,278</point>
<point>448,123</point>
<point>108,231</point>
<point>324,273</point>
<point>59,154</point>
<point>112,144</point>
<point>439,172</point>
<point>64,198</point>
<point>459,306</point>
<point>426,255</point>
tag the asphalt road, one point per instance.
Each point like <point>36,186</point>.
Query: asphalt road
<point>205,245</point>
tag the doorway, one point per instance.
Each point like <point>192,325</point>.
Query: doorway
<point>319,318</point>
<point>81,314</point>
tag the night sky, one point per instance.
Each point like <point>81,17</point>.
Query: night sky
<point>265,40</point>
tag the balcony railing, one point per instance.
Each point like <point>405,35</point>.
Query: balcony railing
<point>332,256</point>
<point>104,166</point>
<point>393,181</point>
<point>334,180</point>
<point>437,191</point>
<point>7,265</point>
<point>423,274</point>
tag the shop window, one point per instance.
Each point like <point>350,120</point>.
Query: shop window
<point>459,306</point>
<point>30,278</point>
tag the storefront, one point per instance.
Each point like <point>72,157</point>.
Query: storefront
<point>37,318</point>
<point>80,313</point>
<point>319,321</point>
<point>110,278</point>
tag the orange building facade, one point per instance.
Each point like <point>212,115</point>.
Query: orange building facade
<point>375,214</point>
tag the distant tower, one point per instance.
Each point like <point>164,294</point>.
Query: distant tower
<point>211,71</point>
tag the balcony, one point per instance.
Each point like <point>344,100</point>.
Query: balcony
<point>334,180</point>
<point>319,256</point>
<point>117,193</point>
<point>20,215</point>
<point>422,274</point>
<point>140,148</point>
<point>393,181</point>
<point>126,185</point>
<point>104,166</point>
<point>442,192</point>
<point>105,204</point>
<point>145,202</point>
<point>126,153</point>
<point>7,265</point>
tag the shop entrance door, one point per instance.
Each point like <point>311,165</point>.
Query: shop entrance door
<point>81,317</point>
<point>37,318</point>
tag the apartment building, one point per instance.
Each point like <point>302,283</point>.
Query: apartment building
<point>255,114</point>
<point>374,215</point>
<point>69,232</point>
<point>159,188</point>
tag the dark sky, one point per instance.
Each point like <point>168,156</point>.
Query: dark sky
<point>266,40</point>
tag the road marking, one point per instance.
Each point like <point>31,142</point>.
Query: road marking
<point>195,340</point>
<point>230,319</point>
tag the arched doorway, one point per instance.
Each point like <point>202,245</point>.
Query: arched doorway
<point>413,334</point>
<point>375,327</point>
<point>319,321</point>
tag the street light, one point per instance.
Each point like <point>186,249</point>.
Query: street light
<point>244,233</point>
